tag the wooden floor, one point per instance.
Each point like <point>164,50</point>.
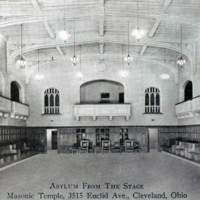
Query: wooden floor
<point>156,173</point>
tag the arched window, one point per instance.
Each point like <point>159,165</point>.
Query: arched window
<point>188,91</point>
<point>51,101</point>
<point>14,90</point>
<point>152,100</point>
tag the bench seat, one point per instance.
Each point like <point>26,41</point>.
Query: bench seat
<point>7,157</point>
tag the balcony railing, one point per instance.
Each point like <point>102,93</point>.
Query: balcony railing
<point>5,106</point>
<point>183,107</point>
<point>102,110</point>
<point>188,108</point>
<point>196,104</point>
<point>20,109</point>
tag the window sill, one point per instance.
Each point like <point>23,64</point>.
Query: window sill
<point>153,113</point>
<point>47,114</point>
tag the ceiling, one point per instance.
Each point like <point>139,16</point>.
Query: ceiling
<point>101,27</point>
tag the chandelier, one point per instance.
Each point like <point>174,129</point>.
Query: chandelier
<point>21,62</point>
<point>63,34</point>
<point>181,61</point>
<point>137,32</point>
<point>128,58</point>
<point>74,59</point>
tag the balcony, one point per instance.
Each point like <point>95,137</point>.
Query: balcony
<point>188,108</point>
<point>19,110</point>
<point>5,106</point>
<point>196,104</point>
<point>102,110</point>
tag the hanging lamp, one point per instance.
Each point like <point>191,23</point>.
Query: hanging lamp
<point>74,59</point>
<point>63,34</point>
<point>137,32</point>
<point>128,58</point>
<point>181,61</point>
<point>21,62</point>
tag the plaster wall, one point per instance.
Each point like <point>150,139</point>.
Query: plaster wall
<point>63,76</point>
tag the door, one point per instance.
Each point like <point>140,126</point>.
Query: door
<point>121,97</point>
<point>153,139</point>
<point>54,140</point>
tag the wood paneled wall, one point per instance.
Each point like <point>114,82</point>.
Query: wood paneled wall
<point>67,136</point>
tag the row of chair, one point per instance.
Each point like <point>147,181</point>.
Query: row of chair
<point>12,151</point>
<point>129,146</point>
<point>187,150</point>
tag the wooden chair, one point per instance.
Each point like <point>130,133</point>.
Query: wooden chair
<point>117,147</point>
<point>105,145</point>
<point>84,146</point>
<point>128,145</point>
<point>136,147</point>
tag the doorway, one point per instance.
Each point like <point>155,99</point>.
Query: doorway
<point>153,139</point>
<point>121,97</point>
<point>52,139</point>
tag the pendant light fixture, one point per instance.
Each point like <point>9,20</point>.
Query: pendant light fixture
<point>80,74</point>
<point>128,59</point>
<point>63,34</point>
<point>21,62</point>
<point>74,59</point>
<point>181,61</point>
<point>137,32</point>
<point>38,76</point>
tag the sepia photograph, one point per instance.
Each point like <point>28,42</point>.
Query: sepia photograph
<point>99,99</point>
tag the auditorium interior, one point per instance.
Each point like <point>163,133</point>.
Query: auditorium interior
<point>112,83</point>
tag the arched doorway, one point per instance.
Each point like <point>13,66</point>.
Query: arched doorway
<point>15,92</point>
<point>188,93</point>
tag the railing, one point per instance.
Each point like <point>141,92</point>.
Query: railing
<point>5,105</point>
<point>188,108</point>
<point>20,109</point>
<point>196,104</point>
<point>184,107</point>
<point>102,110</point>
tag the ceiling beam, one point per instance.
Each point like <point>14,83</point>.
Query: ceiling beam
<point>60,50</point>
<point>166,5</point>
<point>151,34</point>
<point>143,50</point>
<point>48,29</point>
<point>101,28</point>
<point>46,25</point>
<point>155,27</point>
